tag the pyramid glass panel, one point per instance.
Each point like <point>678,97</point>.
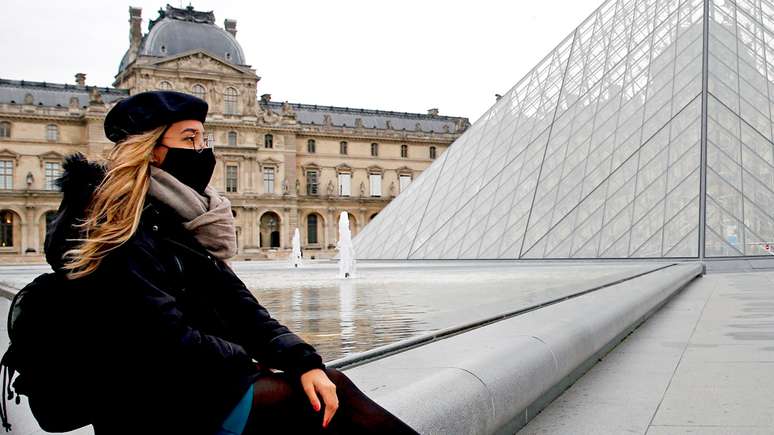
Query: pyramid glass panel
<point>648,132</point>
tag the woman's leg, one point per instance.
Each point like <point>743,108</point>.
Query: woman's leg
<point>281,406</point>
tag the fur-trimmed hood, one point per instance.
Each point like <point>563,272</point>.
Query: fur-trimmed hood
<point>77,183</point>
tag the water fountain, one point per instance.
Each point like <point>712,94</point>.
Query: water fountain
<point>295,254</point>
<point>346,250</point>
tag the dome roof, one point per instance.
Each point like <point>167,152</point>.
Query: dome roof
<point>177,31</point>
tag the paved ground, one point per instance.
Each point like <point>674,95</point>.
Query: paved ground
<point>392,301</point>
<point>704,364</point>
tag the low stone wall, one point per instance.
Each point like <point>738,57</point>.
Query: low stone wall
<point>495,378</point>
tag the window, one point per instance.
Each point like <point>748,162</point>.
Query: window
<point>198,91</point>
<point>5,129</point>
<point>52,133</point>
<point>345,184</point>
<point>405,180</point>
<point>432,153</point>
<point>268,180</point>
<point>311,229</point>
<point>165,86</point>
<point>404,151</point>
<point>311,146</point>
<point>376,184</point>
<point>53,170</point>
<point>230,101</point>
<point>211,139</point>
<point>6,174</point>
<point>232,138</point>
<point>268,141</point>
<point>6,228</point>
<point>231,178</point>
<point>374,149</point>
<point>312,183</point>
<point>343,147</point>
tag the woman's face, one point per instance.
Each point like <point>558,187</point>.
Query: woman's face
<point>181,134</point>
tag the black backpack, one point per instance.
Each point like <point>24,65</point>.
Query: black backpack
<point>40,328</point>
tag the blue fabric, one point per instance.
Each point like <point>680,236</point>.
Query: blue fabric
<point>236,421</point>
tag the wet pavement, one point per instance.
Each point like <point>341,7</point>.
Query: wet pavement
<point>391,301</point>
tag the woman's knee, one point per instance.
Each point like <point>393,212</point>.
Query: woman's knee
<point>344,385</point>
<point>273,390</point>
<point>336,376</point>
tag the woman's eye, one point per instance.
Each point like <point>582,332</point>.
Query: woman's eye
<point>190,138</point>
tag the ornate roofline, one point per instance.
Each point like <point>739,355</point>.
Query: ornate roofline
<point>61,86</point>
<point>350,110</point>
<point>187,14</point>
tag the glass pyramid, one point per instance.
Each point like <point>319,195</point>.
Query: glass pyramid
<point>646,133</point>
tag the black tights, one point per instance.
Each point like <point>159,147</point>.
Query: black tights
<point>280,406</point>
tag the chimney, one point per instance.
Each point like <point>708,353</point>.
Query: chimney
<point>432,112</point>
<point>230,26</point>
<point>135,26</point>
<point>80,79</point>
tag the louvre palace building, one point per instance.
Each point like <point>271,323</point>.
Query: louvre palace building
<point>282,165</point>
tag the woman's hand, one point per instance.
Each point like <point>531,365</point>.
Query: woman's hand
<point>316,382</point>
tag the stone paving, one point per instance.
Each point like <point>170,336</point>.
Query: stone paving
<point>703,364</point>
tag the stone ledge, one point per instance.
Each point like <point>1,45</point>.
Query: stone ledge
<point>496,378</point>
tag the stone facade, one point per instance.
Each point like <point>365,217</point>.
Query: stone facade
<point>282,165</point>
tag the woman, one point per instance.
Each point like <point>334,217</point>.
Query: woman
<point>173,332</point>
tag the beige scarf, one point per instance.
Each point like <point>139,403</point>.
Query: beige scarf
<point>208,217</point>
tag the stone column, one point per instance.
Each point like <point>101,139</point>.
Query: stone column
<point>331,225</point>
<point>362,220</point>
<point>250,163</point>
<point>249,229</point>
<point>29,231</point>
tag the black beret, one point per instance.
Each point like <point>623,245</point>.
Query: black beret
<point>147,110</point>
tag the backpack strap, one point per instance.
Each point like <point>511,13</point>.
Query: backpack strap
<point>6,372</point>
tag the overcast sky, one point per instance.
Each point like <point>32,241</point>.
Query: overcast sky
<point>393,55</point>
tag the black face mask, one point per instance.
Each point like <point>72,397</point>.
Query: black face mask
<point>190,167</point>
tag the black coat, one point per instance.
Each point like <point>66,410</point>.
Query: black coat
<point>173,332</point>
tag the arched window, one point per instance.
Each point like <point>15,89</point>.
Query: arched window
<point>311,146</point>
<point>198,91</point>
<point>432,152</point>
<point>269,230</point>
<point>374,149</point>
<point>311,229</point>
<point>230,101</point>
<point>165,86</point>
<point>404,151</point>
<point>6,228</point>
<point>268,141</point>
<point>232,138</point>
<point>5,129</point>
<point>52,133</point>
<point>343,147</point>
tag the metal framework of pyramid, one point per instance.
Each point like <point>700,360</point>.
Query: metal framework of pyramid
<point>646,133</point>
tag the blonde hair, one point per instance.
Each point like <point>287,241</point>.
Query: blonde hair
<point>114,211</point>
